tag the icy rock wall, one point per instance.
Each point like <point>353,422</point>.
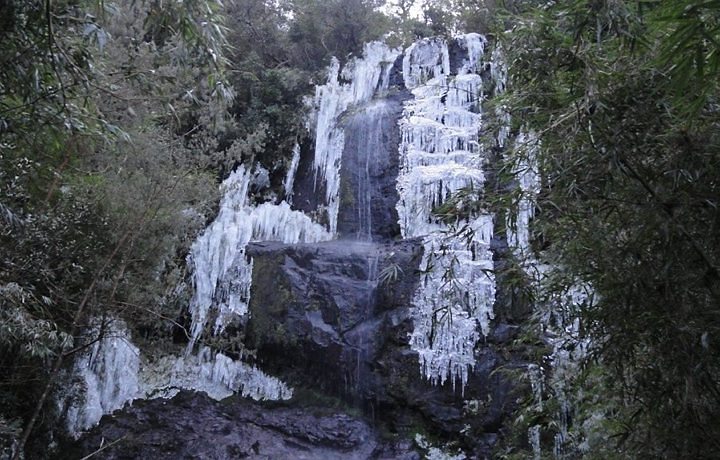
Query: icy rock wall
<point>222,272</point>
<point>440,156</point>
<point>367,78</point>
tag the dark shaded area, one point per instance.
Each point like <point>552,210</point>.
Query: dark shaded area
<point>191,425</point>
<point>308,192</point>
<point>324,324</point>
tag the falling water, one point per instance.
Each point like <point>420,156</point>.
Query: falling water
<point>367,77</point>
<point>371,142</point>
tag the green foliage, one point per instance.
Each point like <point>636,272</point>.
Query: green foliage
<point>101,193</point>
<point>689,49</point>
<point>324,28</point>
<point>622,95</point>
<point>446,17</point>
<point>390,274</point>
<point>465,204</point>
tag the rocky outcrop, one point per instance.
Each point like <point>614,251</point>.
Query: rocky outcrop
<point>334,318</point>
<point>191,425</point>
<point>323,314</point>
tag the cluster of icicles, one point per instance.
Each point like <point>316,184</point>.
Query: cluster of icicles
<point>440,155</point>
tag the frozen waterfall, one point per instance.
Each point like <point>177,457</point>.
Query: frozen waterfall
<point>112,373</point>
<point>441,156</point>
<point>221,271</point>
<point>358,117</point>
<point>105,377</point>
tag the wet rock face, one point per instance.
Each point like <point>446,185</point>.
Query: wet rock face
<point>322,318</point>
<point>368,173</point>
<point>323,314</point>
<point>191,425</point>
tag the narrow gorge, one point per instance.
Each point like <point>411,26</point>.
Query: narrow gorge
<point>363,313</point>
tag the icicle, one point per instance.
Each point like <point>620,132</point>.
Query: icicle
<point>525,170</point>
<point>498,70</point>
<point>450,312</point>
<point>475,46</point>
<point>290,178</point>
<point>222,273</point>
<point>220,248</point>
<point>215,374</point>
<point>425,60</point>
<point>534,440</point>
<point>426,187</point>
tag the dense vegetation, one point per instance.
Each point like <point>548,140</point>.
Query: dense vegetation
<point>117,119</point>
<point>623,97</point>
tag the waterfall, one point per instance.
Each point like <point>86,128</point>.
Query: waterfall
<point>368,77</point>
<point>365,131</point>
<point>440,155</point>
<point>369,168</point>
<point>369,142</point>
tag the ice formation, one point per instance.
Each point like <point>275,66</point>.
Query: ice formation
<point>367,77</point>
<point>289,182</point>
<point>111,374</point>
<point>222,272</point>
<point>440,156</point>
<point>524,169</point>
<point>498,74</point>
<point>108,375</point>
<point>569,349</point>
<point>215,374</point>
